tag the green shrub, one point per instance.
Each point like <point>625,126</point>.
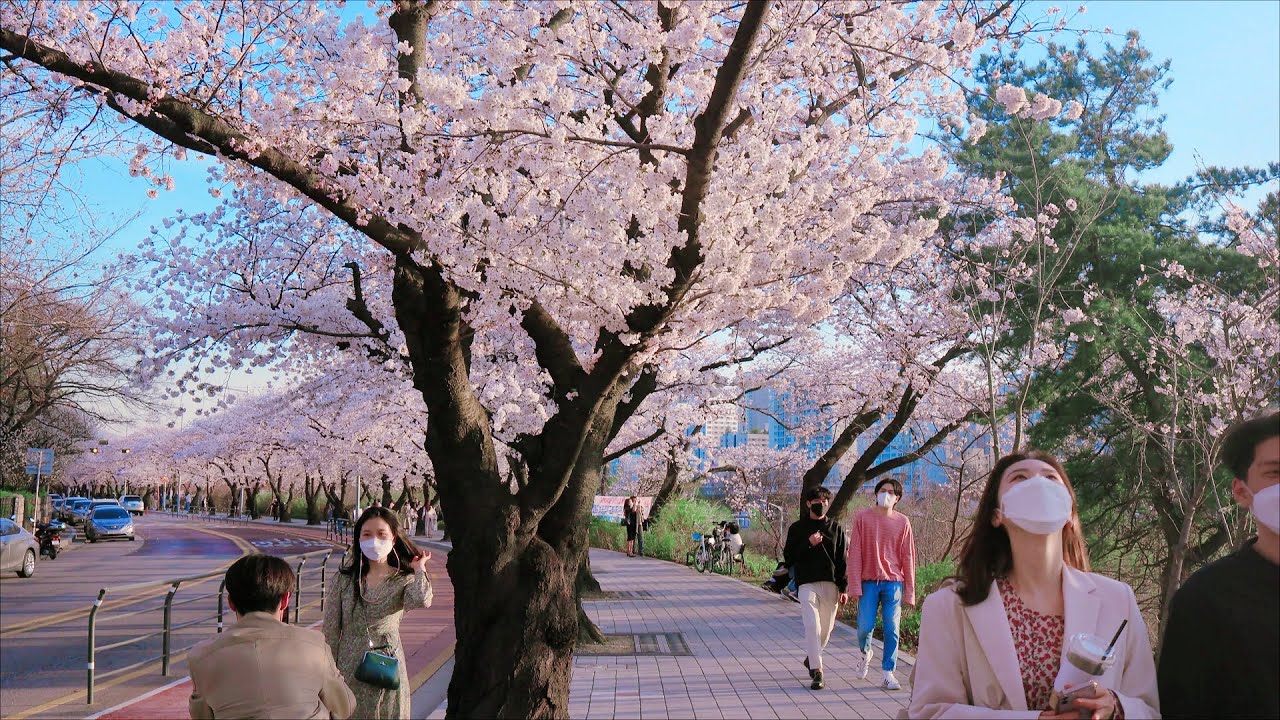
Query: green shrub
<point>607,534</point>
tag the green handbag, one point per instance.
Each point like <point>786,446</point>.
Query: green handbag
<point>379,670</point>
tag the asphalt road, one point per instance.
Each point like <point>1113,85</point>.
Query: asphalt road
<point>44,619</point>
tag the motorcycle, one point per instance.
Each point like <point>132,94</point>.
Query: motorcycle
<point>50,536</point>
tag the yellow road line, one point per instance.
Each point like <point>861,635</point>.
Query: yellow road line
<point>425,673</point>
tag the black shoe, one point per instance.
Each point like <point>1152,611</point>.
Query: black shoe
<point>806,667</point>
<point>817,681</point>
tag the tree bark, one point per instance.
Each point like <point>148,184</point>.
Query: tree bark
<point>311,488</point>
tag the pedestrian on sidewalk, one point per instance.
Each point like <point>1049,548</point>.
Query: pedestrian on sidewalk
<point>432,520</point>
<point>631,519</point>
<point>815,550</point>
<point>882,573</point>
<point>1221,651</point>
<point>385,575</point>
<point>227,678</point>
<point>993,638</point>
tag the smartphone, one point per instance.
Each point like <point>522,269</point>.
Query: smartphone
<point>1062,703</point>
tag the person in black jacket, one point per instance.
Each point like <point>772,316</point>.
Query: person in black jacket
<point>815,549</point>
<point>1221,652</point>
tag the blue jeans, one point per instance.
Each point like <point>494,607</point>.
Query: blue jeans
<point>886,595</point>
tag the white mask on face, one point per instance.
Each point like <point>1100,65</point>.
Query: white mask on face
<point>1266,507</point>
<point>376,549</point>
<point>1038,505</point>
<point>883,499</point>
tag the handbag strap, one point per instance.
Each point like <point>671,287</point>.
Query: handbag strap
<point>385,646</point>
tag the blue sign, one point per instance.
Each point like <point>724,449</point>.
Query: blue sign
<point>744,520</point>
<point>39,461</point>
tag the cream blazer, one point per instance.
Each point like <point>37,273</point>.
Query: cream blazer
<point>966,666</point>
<point>263,668</point>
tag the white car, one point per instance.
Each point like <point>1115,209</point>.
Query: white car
<point>132,503</point>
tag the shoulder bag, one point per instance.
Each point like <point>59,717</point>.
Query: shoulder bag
<point>378,669</point>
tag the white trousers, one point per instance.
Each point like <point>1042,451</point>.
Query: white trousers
<point>818,603</point>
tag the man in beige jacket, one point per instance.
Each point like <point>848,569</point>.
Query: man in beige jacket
<point>263,668</point>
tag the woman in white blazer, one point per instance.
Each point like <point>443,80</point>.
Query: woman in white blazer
<point>991,641</point>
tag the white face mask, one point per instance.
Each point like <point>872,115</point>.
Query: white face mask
<point>1266,507</point>
<point>376,549</point>
<point>883,499</point>
<point>1038,505</point>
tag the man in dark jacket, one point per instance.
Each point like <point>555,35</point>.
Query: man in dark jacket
<point>1221,652</point>
<point>815,549</point>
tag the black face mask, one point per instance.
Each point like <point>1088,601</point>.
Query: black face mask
<point>816,509</point>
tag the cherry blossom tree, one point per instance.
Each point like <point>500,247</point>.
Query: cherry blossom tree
<point>545,196</point>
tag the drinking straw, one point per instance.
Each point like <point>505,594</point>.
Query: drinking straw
<point>1116,637</point>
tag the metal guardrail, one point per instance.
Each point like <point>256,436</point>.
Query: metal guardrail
<point>168,628</point>
<point>339,530</point>
<point>237,519</point>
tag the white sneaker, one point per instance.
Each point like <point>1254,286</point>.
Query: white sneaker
<point>890,682</point>
<point>864,665</point>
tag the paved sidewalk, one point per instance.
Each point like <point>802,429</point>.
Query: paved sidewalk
<point>744,653</point>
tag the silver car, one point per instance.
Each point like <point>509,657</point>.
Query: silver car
<point>109,521</point>
<point>132,503</point>
<point>64,510</point>
<point>80,510</point>
<point>18,549</point>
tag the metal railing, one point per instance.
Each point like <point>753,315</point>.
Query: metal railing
<point>202,517</point>
<point>168,628</point>
<point>339,530</point>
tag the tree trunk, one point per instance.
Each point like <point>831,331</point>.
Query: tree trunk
<point>588,632</point>
<point>252,500</point>
<point>386,491</point>
<point>311,488</point>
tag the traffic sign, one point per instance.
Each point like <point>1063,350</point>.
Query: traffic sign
<point>39,461</point>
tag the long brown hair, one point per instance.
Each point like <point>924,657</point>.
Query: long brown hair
<point>987,554</point>
<point>403,550</point>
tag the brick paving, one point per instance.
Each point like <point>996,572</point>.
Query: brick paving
<point>745,645</point>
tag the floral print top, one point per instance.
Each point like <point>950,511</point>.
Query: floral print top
<point>1038,640</point>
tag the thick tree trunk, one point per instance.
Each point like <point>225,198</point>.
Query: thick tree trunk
<point>311,488</point>
<point>588,632</point>
<point>252,501</point>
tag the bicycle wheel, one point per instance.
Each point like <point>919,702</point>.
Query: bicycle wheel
<point>700,560</point>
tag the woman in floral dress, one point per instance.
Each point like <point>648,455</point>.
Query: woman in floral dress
<point>993,641</point>
<point>385,575</point>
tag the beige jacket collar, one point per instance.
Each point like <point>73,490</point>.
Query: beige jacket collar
<point>991,625</point>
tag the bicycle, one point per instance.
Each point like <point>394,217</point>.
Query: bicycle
<point>717,551</point>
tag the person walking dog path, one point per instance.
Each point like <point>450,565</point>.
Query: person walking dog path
<point>709,646</point>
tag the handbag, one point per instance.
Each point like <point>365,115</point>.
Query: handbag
<point>379,670</point>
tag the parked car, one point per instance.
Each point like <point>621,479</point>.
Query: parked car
<point>64,510</point>
<point>55,504</point>
<point>18,549</point>
<point>99,502</point>
<point>132,503</point>
<point>109,521</point>
<point>80,510</point>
